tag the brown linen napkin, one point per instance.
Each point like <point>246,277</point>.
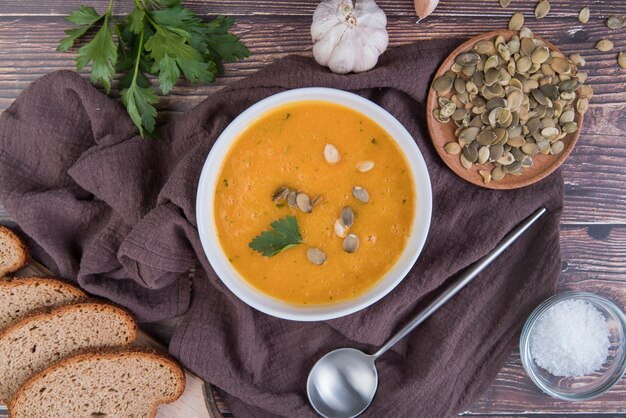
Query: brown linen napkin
<point>116,213</point>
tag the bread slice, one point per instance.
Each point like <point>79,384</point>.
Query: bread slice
<point>22,295</point>
<point>115,383</point>
<point>13,252</point>
<point>31,344</point>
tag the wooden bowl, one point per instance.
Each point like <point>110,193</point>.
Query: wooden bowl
<point>442,133</point>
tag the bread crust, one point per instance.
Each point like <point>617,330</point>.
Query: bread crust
<point>111,353</point>
<point>10,281</point>
<point>22,250</point>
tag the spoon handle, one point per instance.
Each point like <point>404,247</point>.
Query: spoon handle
<point>465,278</point>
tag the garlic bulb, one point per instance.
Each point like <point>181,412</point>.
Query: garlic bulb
<point>348,35</point>
<point>424,8</point>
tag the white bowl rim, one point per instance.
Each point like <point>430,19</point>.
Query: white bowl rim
<point>266,303</point>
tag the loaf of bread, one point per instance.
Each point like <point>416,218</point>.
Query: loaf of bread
<point>13,253</point>
<point>113,383</point>
<point>32,343</point>
<point>21,296</point>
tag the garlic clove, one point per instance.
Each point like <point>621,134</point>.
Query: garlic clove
<point>424,8</point>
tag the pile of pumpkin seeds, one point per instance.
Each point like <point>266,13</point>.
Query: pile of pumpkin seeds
<point>295,199</point>
<point>510,101</point>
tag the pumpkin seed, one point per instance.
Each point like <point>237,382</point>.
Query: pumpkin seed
<point>570,127</point>
<point>614,22</point>
<point>469,134</point>
<point>495,152</point>
<point>483,154</point>
<point>583,16</point>
<point>360,194</point>
<point>530,148</point>
<point>525,33</point>
<point>347,216</point>
<point>577,60</point>
<point>465,162</point>
<point>280,195</point>
<point>621,60</point>
<point>443,85</point>
<point>561,65</point>
<point>567,116</point>
<point>505,3</point>
<point>586,91</point>
<point>604,45</point>
<point>506,159</point>
<point>497,173</point>
<point>582,105</point>
<point>486,137</point>
<point>516,22</point>
<point>514,167</point>
<point>467,59</point>
<point>350,243</point>
<point>540,55</point>
<point>365,166</point>
<point>316,256</point>
<point>291,199</point>
<point>331,154</point>
<point>484,47</point>
<point>491,62</point>
<point>471,152</point>
<point>542,9</point>
<point>452,148</point>
<point>304,202</point>
<point>316,200</point>
<point>340,229</point>
<point>486,175</point>
<point>557,147</point>
<point>550,132</point>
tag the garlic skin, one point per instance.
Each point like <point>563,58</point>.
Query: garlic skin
<point>349,36</point>
<point>424,8</point>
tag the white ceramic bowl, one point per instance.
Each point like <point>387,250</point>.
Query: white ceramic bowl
<point>208,231</point>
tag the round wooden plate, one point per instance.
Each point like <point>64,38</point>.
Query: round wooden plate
<point>442,133</point>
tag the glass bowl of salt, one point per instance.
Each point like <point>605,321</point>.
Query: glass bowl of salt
<point>573,346</point>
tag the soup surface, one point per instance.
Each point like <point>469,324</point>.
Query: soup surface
<point>285,148</point>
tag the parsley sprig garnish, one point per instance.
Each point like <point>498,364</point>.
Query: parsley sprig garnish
<point>284,234</point>
<point>161,38</point>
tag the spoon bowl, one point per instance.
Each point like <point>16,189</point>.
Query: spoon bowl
<point>342,384</point>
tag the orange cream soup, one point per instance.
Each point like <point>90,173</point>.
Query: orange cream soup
<point>284,147</point>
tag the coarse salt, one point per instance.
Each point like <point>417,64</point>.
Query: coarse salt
<point>570,339</point>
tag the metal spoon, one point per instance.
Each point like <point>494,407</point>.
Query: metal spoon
<point>342,384</point>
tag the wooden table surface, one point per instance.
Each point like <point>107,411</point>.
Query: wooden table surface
<point>593,229</point>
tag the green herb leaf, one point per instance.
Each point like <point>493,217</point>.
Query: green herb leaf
<point>102,54</point>
<point>139,103</point>
<point>73,34</point>
<point>284,234</point>
<point>84,16</point>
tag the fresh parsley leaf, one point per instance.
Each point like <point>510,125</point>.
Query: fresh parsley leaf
<point>102,54</point>
<point>284,234</point>
<point>83,16</point>
<point>135,20</point>
<point>73,34</point>
<point>139,103</point>
<point>168,73</point>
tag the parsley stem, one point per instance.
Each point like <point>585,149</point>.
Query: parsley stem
<point>139,50</point>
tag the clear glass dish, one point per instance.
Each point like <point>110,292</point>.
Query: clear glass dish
<point>584,387</point>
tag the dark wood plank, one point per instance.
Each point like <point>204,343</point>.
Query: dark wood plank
<point>485,8</point>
